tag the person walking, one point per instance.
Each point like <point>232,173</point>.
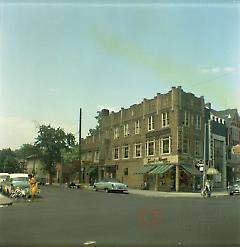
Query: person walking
<point>33,186</point>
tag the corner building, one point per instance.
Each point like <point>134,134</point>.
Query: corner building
<point>159,141</point>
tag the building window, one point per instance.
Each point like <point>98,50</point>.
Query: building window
<point>89,156</point>
<point>126,130</point>
<point>116,133</point>
<point>96,156</point>
<point>198,122</point>
<point>150,123</point>
<point>137,127</point>
<point>185,146</point>
<point>150,148</point>
<point>165,145</point>
<point>197,148</point>
<point>125,171</point>
<point>116,153</point>
<point>186,119</point>
<point>165,119</point>
<point>138,148</point>
<point>125,152</point>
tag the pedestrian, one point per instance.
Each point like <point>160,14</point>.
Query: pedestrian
<point>33,186</point>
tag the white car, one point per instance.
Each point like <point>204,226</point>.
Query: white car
<point>110,184</point>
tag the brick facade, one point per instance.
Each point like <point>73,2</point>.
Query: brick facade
<point>166,129</point>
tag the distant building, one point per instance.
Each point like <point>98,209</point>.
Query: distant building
<point>232,119</point>
<point>160,141</point>
<point>215,148</point>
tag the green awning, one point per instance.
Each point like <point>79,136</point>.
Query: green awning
<point>161,169</point>
<point>90,169</point>
<point>145,169</point>
<point>192,170</point>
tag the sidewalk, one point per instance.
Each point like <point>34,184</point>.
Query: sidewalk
<point>5,201</point>
<point>152,193</point>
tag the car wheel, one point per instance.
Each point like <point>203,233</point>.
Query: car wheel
<point>106,190</point>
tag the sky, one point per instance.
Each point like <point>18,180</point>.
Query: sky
<point>59,56</point>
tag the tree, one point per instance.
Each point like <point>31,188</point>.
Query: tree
<point>51,142</point>
<point>71,163</point>
<point>8,161</point>
<point>27,150</point>
<point>95,130</point>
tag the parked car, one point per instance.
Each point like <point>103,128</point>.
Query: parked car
<point>110,184</point>
<point>3,177</point>
<point>234,189</point>
<point>41,181</point>
<point>17,181</point>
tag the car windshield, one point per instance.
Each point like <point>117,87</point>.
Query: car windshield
<point>20,179</point>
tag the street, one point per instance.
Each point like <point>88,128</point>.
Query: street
<point>72,216</point>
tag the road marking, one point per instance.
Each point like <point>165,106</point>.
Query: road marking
<point>89,242</point>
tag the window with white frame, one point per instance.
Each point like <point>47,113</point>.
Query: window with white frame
<point>165,145</point>
<point>125,152</point>
<point>197,148</point>
<point>96,156</point>
<point>137,127</point>
<point>150,148</point>
<point>138,150</point>
<point>150,123</point>
<point>116,153</point>
<point>198,122</point>
<point>186,119</point>
<point>115,133</point>
<point>165,119</point>
<point>126,129</point>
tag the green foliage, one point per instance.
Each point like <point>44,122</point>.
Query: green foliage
<point>51,142</point>
<point>95,130</point>
<point>27,150</point>
<point>70,155</point>
<point>8,161</point>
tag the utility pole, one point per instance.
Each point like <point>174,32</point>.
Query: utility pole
<point>79,144</point>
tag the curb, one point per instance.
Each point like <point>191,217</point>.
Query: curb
<point>5,201</point>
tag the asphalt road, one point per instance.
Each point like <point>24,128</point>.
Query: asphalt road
<point>70,216</point>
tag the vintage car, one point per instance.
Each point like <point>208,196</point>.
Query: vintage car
<point>17,181</point>
<point>234,189</point>
<point>110,184</point>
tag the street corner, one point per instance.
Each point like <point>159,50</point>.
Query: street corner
<point>5,201</point>
<point>150,217</point>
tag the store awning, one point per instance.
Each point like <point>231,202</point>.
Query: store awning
<point>145,169</point>
<point>161,169</point>
<point>192,170</point>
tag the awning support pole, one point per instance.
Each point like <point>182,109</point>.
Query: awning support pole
<point>156,182</point>
<point>177,177</point>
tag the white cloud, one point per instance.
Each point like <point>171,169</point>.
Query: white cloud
<point>16,131</point>
<point>219,70</point>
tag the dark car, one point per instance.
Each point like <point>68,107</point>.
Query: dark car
<point>41,181</point>
<point>234,189</point>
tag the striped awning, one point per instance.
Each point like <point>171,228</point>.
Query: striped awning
<point>145,169</point>
<point>161,169</point>
<point>192,170</point>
